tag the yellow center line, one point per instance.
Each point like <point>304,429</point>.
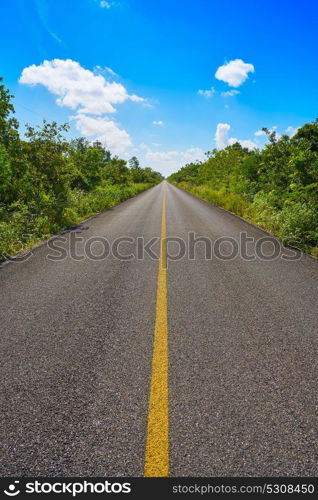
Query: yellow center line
<point>157,447</point>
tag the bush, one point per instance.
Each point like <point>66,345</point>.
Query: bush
<point>298,224</point>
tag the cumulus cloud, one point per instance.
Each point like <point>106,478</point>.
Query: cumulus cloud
<point>89,94</point>
<point>77,87</point>
<point>105,5</point>
<point>221,135</point>
<point>234,72</point>
<point>230,93</point>
<point>104,130</point>
<point>207,93</point>
<point>222,138</point>
<point>157,122</point>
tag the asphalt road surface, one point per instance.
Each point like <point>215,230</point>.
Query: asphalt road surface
<point>77,348</point>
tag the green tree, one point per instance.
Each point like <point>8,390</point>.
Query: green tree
<point>308,133</point>
<point>136,170</point>
<point>117,172</point>
<point>134,163</point>
<point>5,175</point>
<point>8,125</point>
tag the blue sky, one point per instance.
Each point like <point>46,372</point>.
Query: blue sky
<point>130,71</point>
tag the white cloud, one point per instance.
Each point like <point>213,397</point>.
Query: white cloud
<point>230,93</point>
<point>221,135</point>
<point>157,122</point>
<point>207,93</point>
<point>77,87</point>
<point>104,130</point>
<point>259,133</point>
<point>89,94</point>
<point>105,5</point>
<point>222,138</point>
<point>291,130</point>
<point>234,72</point>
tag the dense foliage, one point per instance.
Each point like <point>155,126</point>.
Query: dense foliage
<point>277,187</point>
<point>48,182</point>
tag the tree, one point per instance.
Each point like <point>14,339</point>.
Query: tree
<point>47,154</point>
<point>117,172</point>
<point>8,125</point>
<point>5,174</point>
<point>136,170</point>
<point>150,176</point>
<point>188,173</point>
<point>134,163</point>
<point>309,133</point>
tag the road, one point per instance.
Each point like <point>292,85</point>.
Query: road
<point>79,356</point>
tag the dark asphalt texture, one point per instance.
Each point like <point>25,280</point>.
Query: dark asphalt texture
<point>77,341</point>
